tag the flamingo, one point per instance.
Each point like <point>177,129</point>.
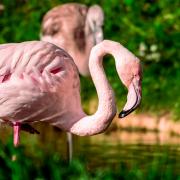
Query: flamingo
<point>75,28</point>
<point>40,82</point>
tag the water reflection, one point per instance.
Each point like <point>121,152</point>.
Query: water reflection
<point>130,148</point>
<point>108,149</point>
<point>135,137</point>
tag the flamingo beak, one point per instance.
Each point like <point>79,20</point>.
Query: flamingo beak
<point>133,99</point>
<point>98,35</point>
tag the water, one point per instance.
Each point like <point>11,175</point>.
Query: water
<point>130,148</point>
<point>107,149</point>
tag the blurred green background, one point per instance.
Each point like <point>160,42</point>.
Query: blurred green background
<point>150,29</point>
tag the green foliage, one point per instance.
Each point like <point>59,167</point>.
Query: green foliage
<point>52,166</point>
<point>149,28</point>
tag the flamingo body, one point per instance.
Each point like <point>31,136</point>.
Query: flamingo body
<point>40,82</point>
<point>37,74</point>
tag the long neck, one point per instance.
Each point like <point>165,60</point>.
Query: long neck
<point>81,55</point>
<point>98,122</point>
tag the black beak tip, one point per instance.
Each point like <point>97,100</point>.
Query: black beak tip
<point>122,114</point>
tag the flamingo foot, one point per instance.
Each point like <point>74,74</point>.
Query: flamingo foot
<point>16,129</point>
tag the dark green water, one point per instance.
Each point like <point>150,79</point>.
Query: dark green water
<point>110,150</point>
<point>106,150</point>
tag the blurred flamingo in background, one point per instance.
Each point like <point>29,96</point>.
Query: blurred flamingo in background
<point>75,28</point>
<point>40,82</point>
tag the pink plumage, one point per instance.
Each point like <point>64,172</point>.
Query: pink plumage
<point>40,82</point>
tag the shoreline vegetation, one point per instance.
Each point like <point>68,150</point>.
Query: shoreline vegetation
<point>51,165</point>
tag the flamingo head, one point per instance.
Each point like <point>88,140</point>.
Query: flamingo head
<point>130,73</point>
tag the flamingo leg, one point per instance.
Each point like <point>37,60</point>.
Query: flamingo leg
<point>69,146</point>
<point>16,131</point>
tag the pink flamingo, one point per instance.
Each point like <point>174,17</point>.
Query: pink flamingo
<point>75,28</point>
<point>40,82</point>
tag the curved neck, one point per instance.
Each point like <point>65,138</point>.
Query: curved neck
<point>81,56</point>
<point>104,91</point>
<point>98,122</point>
